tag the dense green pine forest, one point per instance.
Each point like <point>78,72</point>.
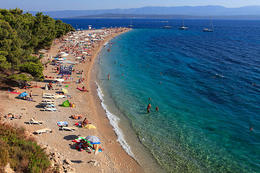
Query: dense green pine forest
<point>21,36</point>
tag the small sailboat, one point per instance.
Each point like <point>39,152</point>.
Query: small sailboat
<point>167,27</point>
<point>183,27</point>
<point>131,24</point>
<point>211,29</point>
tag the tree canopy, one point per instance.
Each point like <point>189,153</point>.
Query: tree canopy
<point>21,36</point>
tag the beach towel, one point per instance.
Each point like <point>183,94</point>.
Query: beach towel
<point>83,90</point>
<point>65,91</point>
<point>90,126</point>
<point>12,92</point>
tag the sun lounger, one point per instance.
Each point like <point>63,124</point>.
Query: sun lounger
<point>48,100</point>
<point>47,104</point>
<point>59,96</point>
<point>32,121</point>
<point>67,128</point>
<point>41,131</point>
<point>48,96</point>
<point>49,108</point>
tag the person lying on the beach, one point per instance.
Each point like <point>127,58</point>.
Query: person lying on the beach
<point>76,117</point>
<point>11,116</point>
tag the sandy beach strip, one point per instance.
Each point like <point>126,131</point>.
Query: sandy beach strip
<point>113,158</point>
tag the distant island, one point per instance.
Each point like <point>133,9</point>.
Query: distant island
<point>192,12</point>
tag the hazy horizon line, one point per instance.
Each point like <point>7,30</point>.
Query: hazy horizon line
<point>139,7</point>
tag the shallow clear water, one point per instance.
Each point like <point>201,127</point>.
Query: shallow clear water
<point>205,84</point>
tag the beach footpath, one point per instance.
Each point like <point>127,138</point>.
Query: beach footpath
<point>61,112</point>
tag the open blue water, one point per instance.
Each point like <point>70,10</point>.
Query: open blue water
<point>207,87</point>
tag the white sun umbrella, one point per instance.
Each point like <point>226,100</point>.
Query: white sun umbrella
<point>59,80</point>
<point>93,139</point>
<point>64,54</point>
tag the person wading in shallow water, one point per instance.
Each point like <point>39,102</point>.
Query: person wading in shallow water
<point>149,107</point>
<point>108,76</point>
<point>157,109</point>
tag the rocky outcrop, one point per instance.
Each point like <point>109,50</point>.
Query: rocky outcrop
<point>8,169</point>
<point>58,162</point>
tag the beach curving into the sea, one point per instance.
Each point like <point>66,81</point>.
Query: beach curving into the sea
<point>113,158</point>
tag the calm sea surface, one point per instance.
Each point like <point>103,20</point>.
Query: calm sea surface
<point>206,85</point>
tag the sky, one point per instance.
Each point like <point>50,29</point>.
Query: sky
<point>53,5</point>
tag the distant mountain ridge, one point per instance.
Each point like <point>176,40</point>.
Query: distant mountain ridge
<point>180,10</point>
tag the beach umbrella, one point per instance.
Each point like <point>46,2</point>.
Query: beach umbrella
<point>90,126</point>
<point>59,80</point>
<point>66,103</point>
<point>62,123</point>
<point>93,139</point>
<point>65,91</point>
<point>23,95</point>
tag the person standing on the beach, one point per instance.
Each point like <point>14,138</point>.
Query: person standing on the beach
<point>30,94</point>
<point>149,107</point>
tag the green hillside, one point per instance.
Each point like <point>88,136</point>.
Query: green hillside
<point>22,35</point>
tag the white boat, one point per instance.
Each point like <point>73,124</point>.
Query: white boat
<point>131,24</point>
<point>167,27</point>
<point>211,29</point>
<point>207,30</point>
<point>183,27</point>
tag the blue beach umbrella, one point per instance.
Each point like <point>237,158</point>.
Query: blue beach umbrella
<point>23,95</point>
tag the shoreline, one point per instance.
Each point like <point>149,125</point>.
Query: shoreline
<point>130,142</point>
<point>101,112</point>
<point>113,158</point>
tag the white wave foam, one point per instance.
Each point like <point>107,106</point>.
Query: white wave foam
<point>114,122</point>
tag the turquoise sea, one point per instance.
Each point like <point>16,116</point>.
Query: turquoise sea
<point>206,85</point>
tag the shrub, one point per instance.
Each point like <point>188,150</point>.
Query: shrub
<point>23,155</point>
